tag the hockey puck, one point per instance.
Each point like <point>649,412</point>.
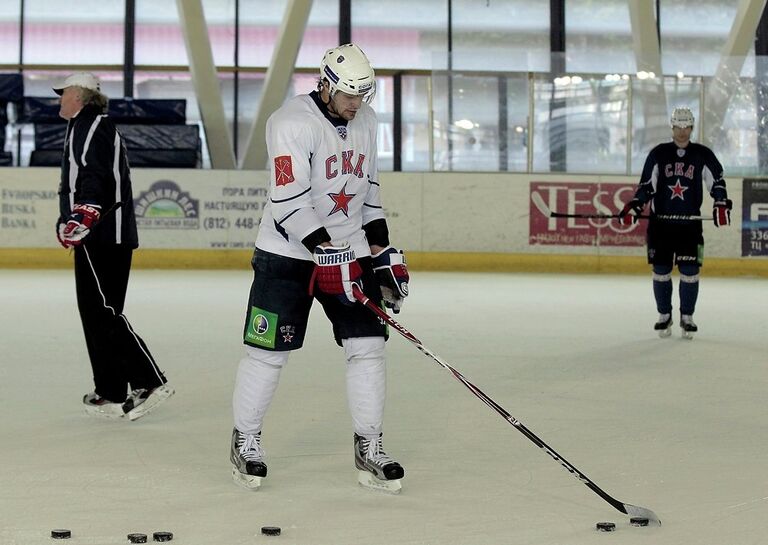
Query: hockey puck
<point>61,534</point>
<point>137,538</point>
<point>270,530</point>
<point>638,521</point>
<point>605,526</point>
<point>162,536</point>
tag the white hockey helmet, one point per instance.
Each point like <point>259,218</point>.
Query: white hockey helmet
<point>348,70</point>
<point>682,117</point>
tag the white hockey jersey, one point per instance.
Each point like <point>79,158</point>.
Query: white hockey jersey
<point>321,175</point>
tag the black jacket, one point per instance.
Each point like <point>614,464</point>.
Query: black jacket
<point>94,170</point>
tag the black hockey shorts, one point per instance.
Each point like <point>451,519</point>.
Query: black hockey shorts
<point>671,243</point>
<point>279,304</point>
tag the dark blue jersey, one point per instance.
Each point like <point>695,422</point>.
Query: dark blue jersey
<point>674,179</point>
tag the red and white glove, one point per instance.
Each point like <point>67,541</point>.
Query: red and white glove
<point>721,212</point>
<point>336,269</point>
<point>79,224</point>
<point>392,274</point>
<point>629,215</point>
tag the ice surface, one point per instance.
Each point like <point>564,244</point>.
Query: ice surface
<point>680,427</point>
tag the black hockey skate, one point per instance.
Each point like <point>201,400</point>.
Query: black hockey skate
<point>664,325</point>
<point>687,326</point>
<point>378,471</point>
<point>95,405</point>
<point>142,401</point>
<point>247,457</point>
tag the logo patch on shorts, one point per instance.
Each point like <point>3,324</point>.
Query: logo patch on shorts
<point>288,331</point>
<point>262,326</point>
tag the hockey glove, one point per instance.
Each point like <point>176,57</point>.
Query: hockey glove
<point>721,212</point>
<point>59,227</point>
<point>392,274</point>
<point>79,224</point>
<point>629,215</point>
<point>336,269</point>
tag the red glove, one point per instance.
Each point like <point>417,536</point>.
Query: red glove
<point>721,212</point>
<point>79,224</point>
<point>59,228</point>
<point>336,270</point>
<point>392,274</point>
<point>629,215</point>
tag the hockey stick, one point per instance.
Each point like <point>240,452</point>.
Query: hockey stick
<point>625,508</point>
<point>544,209</point>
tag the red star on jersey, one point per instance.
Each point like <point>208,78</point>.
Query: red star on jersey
<point>341,201</point>
<point>678,190</point>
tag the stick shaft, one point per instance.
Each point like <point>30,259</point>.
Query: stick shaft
<point>618,505</point>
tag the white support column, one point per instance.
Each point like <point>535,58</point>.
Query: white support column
<point>726,83</point>
<point>206,83</point>
<point>277,81</point>
<point>650,97</point>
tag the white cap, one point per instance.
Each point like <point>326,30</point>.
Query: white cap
<point>79,79</point>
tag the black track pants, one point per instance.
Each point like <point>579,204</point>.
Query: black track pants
<point>119,357</point>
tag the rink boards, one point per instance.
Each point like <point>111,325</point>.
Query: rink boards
<point>203,219</point>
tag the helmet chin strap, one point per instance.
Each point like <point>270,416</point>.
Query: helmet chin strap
<point>328,105</point>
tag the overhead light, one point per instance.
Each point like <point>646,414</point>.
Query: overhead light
<point>464,124</point>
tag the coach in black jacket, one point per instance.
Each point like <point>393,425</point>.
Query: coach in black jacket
<point>97,220</point>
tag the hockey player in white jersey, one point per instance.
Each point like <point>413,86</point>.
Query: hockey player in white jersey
<point>322,231</point>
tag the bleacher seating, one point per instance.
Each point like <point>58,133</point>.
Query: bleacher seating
<point>11,93</point>
<point>154,131</point>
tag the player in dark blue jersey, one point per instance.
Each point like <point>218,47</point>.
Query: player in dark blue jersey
<point>674,179</point>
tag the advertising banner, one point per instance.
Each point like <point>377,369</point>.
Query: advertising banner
<point>754,213</point>
<point>581,198</point>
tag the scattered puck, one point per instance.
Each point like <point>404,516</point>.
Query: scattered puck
<point>61,534</point>
<point>605,526</point>
<point>638,521</point>
<point>162,536</point>
<point>137,538</point>
<point>270,530</point>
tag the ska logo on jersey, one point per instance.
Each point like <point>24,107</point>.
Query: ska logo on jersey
<point>283,170</point>
<point>342,131</point>
<point>677,190</point>
<point>341,201</point>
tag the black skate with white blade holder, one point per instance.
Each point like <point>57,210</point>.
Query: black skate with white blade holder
<point>247,457</point>
<point>687,326</point>
<point>378,471</point>
<point>664,325</point>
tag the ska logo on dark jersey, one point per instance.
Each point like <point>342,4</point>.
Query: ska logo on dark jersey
<point>680,152</point>
<point>342,130</point>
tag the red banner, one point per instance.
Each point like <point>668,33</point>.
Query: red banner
<point>581,198</point>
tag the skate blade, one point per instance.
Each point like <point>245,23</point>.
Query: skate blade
<point>664,333</point>
<point>152,402</point>
<point>249,482</point>
<point>97,412</point>
<point>368,480</point>
<point>688,335</point>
